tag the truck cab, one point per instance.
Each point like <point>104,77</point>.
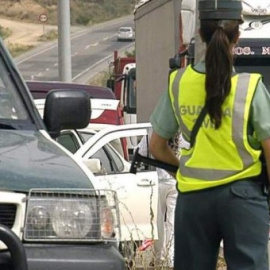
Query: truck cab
<point>253,49</point>
<point>123,83</point>
<point>47,198</point>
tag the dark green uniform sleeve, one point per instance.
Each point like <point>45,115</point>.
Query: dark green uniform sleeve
<point>163,119</point>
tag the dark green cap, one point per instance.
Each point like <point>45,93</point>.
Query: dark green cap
<point>220,10</point>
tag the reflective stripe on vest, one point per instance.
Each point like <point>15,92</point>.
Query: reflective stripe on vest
<point>245,85</point>
<point>175,87</point>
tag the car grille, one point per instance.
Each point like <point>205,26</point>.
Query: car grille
<point>7,214</point>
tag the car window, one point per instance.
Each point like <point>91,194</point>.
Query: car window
<point>13,112</point>
<point>86,135</point>
<point>125,29</point>
<point>69,141</point>
<point>110,162</point>
<point>118,162</point>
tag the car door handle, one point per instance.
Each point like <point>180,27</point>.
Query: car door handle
<point>145,183</point>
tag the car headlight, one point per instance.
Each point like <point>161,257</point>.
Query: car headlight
<point>72,219</point>
<point>61,215</point>
<point>39,217</point>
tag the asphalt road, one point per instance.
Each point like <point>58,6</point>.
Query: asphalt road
<point>90,47</point>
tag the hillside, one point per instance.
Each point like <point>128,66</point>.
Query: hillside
<point>82,12</point>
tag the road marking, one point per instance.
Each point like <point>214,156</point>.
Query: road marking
<point>76,35</point>
<point>99,62</point>
<point>91,45</point>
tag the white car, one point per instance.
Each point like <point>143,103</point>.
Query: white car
<point>102,153</point>
<point>125,34</point>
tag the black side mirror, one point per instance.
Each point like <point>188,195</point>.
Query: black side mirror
<point>110,84</point>
<point>66,109</point>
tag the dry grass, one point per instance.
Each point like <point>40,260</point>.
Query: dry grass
<point>140,260</point>
<point>50,35</point>
<point>27,10</point>
<point>100,79</point>
<point>143,259</point>
<point>17,49</point>
<point>5,32</point>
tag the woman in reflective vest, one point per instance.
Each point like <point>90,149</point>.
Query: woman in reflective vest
<point>221,197</point>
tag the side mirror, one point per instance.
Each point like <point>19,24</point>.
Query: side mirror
<point>93,164</point>
<point>110,84</point>
<point>66,109</point>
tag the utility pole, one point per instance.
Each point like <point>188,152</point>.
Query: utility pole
<point>64,47</point>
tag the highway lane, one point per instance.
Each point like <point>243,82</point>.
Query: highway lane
<point>89,47</point>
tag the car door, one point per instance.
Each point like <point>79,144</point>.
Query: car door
<point>137,193</point>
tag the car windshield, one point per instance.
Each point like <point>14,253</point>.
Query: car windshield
<point>124,30</point>
<point>13,113</point>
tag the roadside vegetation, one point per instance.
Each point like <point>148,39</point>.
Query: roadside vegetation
<point>16,49</point>
<point>50,35</point>
<point>4,32</point>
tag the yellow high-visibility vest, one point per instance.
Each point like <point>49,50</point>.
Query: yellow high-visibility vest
<point>219,156</point>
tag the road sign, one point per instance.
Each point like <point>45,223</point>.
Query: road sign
<point>43,18</point>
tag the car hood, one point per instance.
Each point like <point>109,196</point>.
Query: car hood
<point>30,160</point>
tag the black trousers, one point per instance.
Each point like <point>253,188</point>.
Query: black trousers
<point>236,213</point>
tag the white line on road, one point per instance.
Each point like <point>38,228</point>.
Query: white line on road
<point>73,36</point>
<point>91,45</point>
<point>99,62</point>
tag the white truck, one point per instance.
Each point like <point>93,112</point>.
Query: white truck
<point>253,50</point>
<point>158,40</point>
